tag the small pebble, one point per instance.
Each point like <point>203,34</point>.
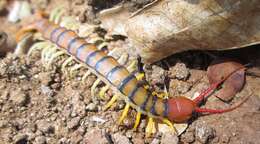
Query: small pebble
<point>45,126</point>
<point>169,138</point>
<point>155,141</point>
<point>40,140</point>
<point>178,87</point>
<point>47,90</point>
<point>188,137</point>
<point>120,139</point>
<point>3,123</point>
<point>204,133</point>
<point>98,119</point>
<point>92,107</point>
<point>73,123</point>
<point>45,78</point>
<point>179,71</point>
<point>157,75</point>
<point>95,136</point>
<point>19,97</point>
<point>20,139</point>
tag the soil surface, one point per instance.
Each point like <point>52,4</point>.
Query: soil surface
<point>49,106</point>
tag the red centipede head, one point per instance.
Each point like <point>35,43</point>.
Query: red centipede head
<point>180,109</point>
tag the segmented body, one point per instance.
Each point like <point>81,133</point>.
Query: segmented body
<point>106,68</point>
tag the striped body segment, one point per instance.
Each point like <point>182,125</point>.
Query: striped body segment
<point>107,67</point>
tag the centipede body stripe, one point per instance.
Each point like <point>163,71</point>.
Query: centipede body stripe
<point>105,67</point>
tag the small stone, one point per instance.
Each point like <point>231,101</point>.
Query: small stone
<point>19,98</point>
<point>169,138</point>
<point>188,137</point>
<point>3,123</point>
<point>47,90</point>
<point>179,71</point>
<point>138,140</point>
<point>95,136</point>
<point>20,139</point>
<point>178,87</point>
<point>45,126</point>
<point>78,106</point>
<point>5,95</point>
<point>155,141</point>
<point>73,123</point>
<point>40,140</point>
<point>120,139</point>
<point>157,75</point>
<point>76,137</point>
<point>45,78</point>
<point>204,133</point>
<point>92,107</point>
<point>56,86</point>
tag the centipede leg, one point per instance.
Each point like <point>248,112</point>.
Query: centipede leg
<point>55,16</point>
<point>53,57</point>
<point>137,120</point>
<point>37,46</point>
<point>103,91</point>
<point>93,88</point>
<point>45,53</point>
<point>124,114</point>
<point>85,76</point>
<point>170,124</point>
<point>161,95</point>
<point>74,69</point>
<point>150,128</point>
<point>111,102</point>
<point>65,63</point>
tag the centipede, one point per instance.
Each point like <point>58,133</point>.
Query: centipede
<point>123,82</point>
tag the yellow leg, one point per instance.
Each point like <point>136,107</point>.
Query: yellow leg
<point>85,76</point>
<point>140,76</point>
<point>94,87</point>
<point>59,16</point>
<point>96,39</point>
<point>37,46</point>
<point>124,114</point>
<point>103,91</point>
<point>74,69</point>
<point>137,119</point>
<point>57,54</point>
<point>162,95</point>
<point>65,63</point>
<point>170,124</point>
<point>53,49</point>
<point>150,128</point>
<point>56,14</point>
<point>44,53</point>
<point>103,44</point>
<point>132,66</point>
<point>111,102</point>
<point>123,59</point>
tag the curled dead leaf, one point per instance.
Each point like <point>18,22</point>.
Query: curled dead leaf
<point>168,27</point>
<point>222,68</point>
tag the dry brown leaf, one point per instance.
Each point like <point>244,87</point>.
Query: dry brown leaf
<point>168,26</point>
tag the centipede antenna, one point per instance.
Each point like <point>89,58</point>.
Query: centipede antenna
<point>204,94</point>
<point>22,33</point>
<point>218,111</point>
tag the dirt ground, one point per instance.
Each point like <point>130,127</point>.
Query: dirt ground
<point>48,106</point>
